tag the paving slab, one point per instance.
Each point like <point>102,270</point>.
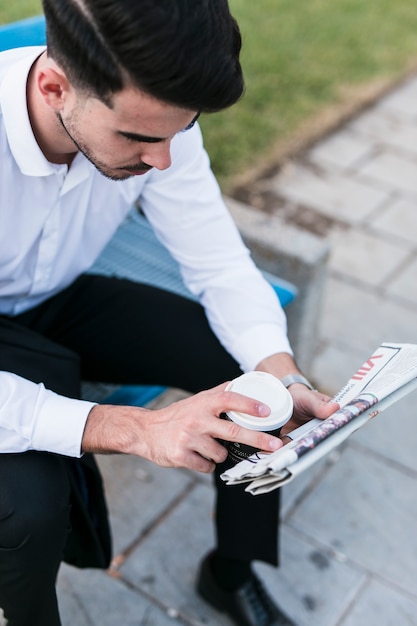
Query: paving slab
<point>393,435</point>
<point>401,102</point>
<point>398,220</point>
<point>380,129</point>
<point>312,585</point>
<point>334,365</point>
<point>341,151</point>
<point>138,494</point>
<point>370,517</point>
<point>165,564</point>
<point>332,194</point>
<point>404,284</point>
<point>91,597</point>
<point>361,319</point>
<point>366,257</point>
<point>382,605</point>
<point>295,491</point>
<point>392,172</point>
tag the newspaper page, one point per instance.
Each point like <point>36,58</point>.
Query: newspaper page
<point>389,374</point>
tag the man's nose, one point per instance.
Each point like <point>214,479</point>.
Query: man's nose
<point>158,155</point>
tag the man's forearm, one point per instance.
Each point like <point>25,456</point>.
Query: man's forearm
<point>114,429</point>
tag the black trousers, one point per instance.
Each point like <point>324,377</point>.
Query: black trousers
<point>52,508</point>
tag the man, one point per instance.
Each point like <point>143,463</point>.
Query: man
<point>85,129</point>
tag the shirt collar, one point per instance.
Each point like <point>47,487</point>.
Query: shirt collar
<point>23,145</point>
<point>22,142</point>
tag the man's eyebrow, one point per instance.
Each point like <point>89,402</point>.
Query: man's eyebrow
<point>138,137</point>
<point>147,139</point>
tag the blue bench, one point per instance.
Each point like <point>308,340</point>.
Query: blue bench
<point>150,262</point>
<point>28,32</point>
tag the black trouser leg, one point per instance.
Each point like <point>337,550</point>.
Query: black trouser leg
<point>34,521</point>
<point>37,505</point>
<point>247,526</point>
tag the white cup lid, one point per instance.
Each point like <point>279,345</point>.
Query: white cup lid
<point>270,391</point>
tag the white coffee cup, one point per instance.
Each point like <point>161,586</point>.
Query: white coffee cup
<point>270,391</point>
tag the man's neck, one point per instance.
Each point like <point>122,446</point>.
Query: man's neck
<point>49,134</point>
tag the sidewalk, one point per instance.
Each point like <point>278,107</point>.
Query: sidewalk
<point>349,540</point>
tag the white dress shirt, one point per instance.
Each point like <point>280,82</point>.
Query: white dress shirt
<point>54,222</point>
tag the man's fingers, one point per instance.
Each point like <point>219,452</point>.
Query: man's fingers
<point>253,438</point>
<point>207,464</point>
<point>199,463</point>
<point>212,450</point>
<point>224,401</point>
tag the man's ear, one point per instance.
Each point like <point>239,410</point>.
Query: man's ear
<point>53,86</point>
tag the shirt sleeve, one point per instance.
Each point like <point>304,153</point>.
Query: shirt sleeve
<point>34,418</point>
<point>186,209</point>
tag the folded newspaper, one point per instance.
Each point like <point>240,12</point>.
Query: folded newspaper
<point>389,374</point>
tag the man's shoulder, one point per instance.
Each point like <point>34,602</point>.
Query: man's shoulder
<point>10,57</point>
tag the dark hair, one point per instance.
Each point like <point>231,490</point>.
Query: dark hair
<point>183,52</point>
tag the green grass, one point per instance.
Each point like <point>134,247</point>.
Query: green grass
<point>11,11</point>
<point>299,57</point>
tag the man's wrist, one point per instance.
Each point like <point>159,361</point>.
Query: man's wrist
<point>292,379</point>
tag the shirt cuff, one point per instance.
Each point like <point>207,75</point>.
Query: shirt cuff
<point>60,424</point>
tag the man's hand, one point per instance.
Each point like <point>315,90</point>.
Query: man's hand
<point>308,404</point>
<point>184,434</point>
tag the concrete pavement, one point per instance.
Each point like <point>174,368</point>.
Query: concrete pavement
<point>349,540</point>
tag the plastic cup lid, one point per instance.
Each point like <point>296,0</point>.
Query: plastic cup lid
<point>268,390</point>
